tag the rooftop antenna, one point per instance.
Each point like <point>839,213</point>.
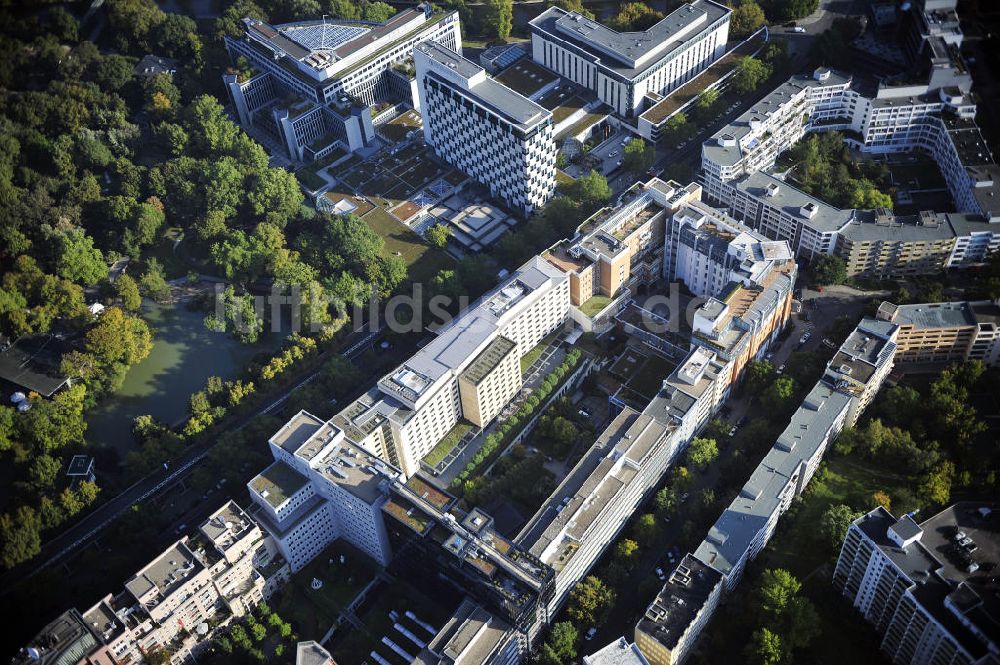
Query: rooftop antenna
<point>324,31</point>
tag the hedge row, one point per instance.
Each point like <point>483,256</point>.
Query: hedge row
<point>513,425</point>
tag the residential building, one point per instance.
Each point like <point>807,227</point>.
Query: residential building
<point>321,487</point>
<point>309,85</point>
<point>681,609</point>
<point>431,534</point>
<point>630,70</point>
<point>228,565</point>
<point>874,243</point>
<point>620,249</point>
<point>480,126</point>
<point>311,653</point>
<point>66,640</point>
<point>619,652</point>
<point>472,636</point>
<point>669,630</point>
<point>945,332</point>
<point>413,407</point>
<point>925,588</point>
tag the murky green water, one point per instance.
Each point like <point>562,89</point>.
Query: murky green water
<point>184,355</point>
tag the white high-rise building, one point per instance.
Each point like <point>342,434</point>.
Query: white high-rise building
<point>478,125</point>
<point>631,70</point>
<point>469,370</point>
<point>321,487</point>
<point>922,586</point>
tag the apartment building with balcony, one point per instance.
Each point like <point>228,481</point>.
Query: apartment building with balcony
<point>945,332</point>
<point>312,83</point>
<point>321,487</point>
<point>227,566</point>
<point>925,588</point>
<point>477,124</point>
<point>413,407</point>
<point>631,70</point>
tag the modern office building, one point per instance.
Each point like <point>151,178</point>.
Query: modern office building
<point>485,129</point>
<point>926,588</point>
<point>631,70</point>
<point>432,535</point>
<point>466,371</point>
<point>668,631</point>
<point>228,566</point>
<point>945,332</point>
<point>309,85</point>
<point>472,636</point>
<point>321,487</point>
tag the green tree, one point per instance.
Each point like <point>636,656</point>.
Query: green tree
<point>500,17</point>
<point>746,19</point>
<point>154,281</point>
<point>759,374</point>
<point>118,337</point>
<point>829,269</point>
<point>591,189</point>
<point>766,648</point>
<point>634,16</point>
<point>79,261</point>
<point>208,127</point>
<point>835,522</point>
<point>235,313</point>
<point>588,600</point>
<point>626,550</point>
<point>666,500</point>
<point>646,530</point>
<point>43,472</point>
<point>230,21</point>
<point>378,11</point>
<point>638,156</point>
<point>775,590</point>
<point>779,395</point>
<point>750,73</point>
<point>935,485</point>
<point>438,235</point>
<point>560,645</point>
<point>702,452</point>
<point>20,537</point>
<point>573,6</point>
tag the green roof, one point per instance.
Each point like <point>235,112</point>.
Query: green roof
<point>488,360</point>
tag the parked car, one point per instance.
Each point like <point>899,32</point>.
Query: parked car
<point>781,369</point>
<point>613,153</point>
<point>732,430</point>
<point>590,633</point>
<point>805,338</point>
<point>827,342</point>
<point>659,573</point>
<point>684,497</point>
<point>799,29</point>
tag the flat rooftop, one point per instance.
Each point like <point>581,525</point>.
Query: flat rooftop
<point>526,77</point>
<point>355,470</point>
<point>165,573</point>
<point>299,429</point>
<point>278,483</point>
<point>227,525</point>
<point>630,53</point>
<point>682,597</point>
<point>488,360</point>
<point>486,91</point>
<point>936,315</point>
<point>472,634</point>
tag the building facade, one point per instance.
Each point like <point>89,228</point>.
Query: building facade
<point>630,70</point>
<point>921,586</point>
<point>310,85</point>
<point>485,129</point>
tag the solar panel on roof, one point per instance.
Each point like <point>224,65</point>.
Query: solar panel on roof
<point>317,36</point>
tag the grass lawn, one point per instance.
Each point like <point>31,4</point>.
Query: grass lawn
<point>447,444</point>
<point>594,306</point>
<point>311,180</point>
<point>563,178</point>
<point>313,611</point>
<point>422,260</point>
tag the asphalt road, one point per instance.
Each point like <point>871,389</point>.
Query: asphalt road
<point>75,537</point>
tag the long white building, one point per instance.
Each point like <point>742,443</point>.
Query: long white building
<point>631,70</point>
<point>471,369</point>
<point>925,587</point>
<point>482,127</point>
